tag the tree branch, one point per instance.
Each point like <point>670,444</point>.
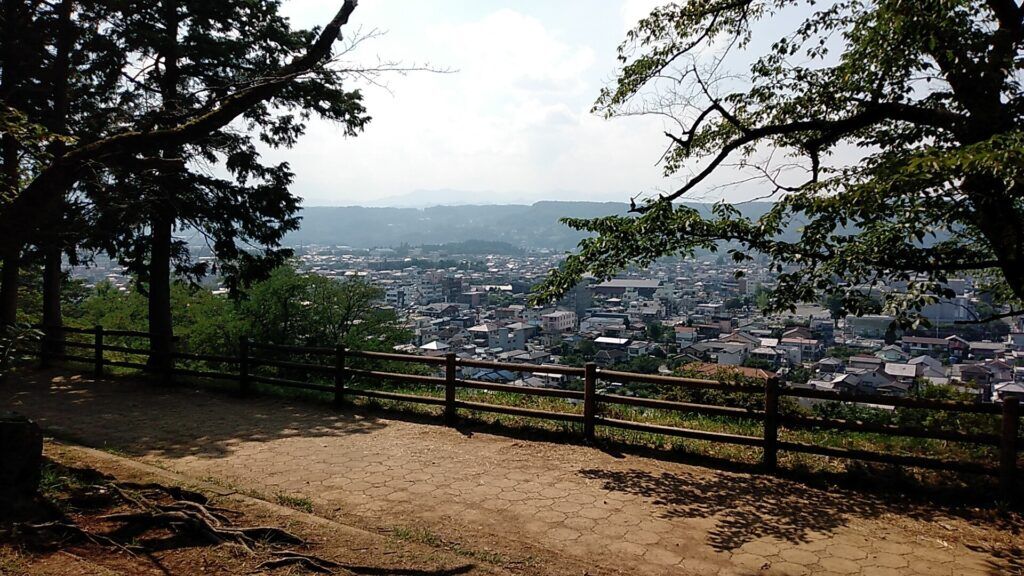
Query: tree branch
<point>829,132</point>
<point>23,213</point>
<point>1008,13</point>
<point>991,318</point>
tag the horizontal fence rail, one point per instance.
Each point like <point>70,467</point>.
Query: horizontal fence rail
<point>350,370</point>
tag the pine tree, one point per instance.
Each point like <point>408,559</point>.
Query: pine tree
<point>190,52</point>
<point>146,93</point>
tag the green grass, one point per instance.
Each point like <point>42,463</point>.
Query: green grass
<point>420,535</point>
<point>296,502</point>
<point>55,480</point>
<point>12,563</point>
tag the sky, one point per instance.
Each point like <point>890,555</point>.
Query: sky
<point>509,122</point>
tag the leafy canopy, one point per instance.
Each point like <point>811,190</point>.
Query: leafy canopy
<point>926,99</point>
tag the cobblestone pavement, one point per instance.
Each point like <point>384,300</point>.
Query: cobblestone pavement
<point>609,513</point>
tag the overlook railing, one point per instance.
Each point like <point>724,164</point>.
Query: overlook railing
<point>345,369</point>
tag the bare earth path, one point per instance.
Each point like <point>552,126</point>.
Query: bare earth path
<point>530,507</point>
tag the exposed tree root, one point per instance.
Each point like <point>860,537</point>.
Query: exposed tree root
<point>173,491</point>
<point>311,563</point>
<point>66,530</point>
<point>198,521</point>
<point>190,514</point>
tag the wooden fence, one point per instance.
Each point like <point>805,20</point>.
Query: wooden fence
<point>339,367</point>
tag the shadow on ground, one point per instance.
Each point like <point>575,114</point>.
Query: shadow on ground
<point>139,419</point>
<point>168,422</point>
<point>747,507</point>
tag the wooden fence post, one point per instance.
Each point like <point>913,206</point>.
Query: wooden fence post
<point>589,400</point>
<point>339,374</point>
<point>243,365</point>
<point>771,425</point>
<point>98,353</point>
<point>1008,449</point>
<point>449,390</point>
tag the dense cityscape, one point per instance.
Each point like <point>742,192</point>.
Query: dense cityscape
<point>699,315</point>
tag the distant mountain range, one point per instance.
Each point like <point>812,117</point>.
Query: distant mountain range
<point>534,226</point>
<point>450,197</point>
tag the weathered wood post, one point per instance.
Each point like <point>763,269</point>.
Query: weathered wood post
<point>450,415</point>
<point>339,374</point>
<point>98,352</point>
<point>589,400</point>
<point>770,457</point>
<point>1008,449</point>
<point>243,365</point>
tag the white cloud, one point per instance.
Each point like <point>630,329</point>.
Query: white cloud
<point>633,11</point>
<point>513,119</point>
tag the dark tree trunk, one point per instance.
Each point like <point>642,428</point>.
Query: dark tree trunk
<point>11,248</point>
<point>162,223</point>
<point>11,251</point>
<point>9,287</point>
<point>54,243</point>
<point>53,277</point>
<point>160,325</point>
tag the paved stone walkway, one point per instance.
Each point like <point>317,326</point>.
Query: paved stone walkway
<point>611,514</point>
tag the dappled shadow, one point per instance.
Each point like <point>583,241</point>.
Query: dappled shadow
<point>139,419</point>
<point>746,507</point>
<point>1002,559</point>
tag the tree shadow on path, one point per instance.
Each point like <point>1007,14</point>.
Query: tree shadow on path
<point>140,419</point>
<point>746,507</point>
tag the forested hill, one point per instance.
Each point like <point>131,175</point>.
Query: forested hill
<point>533,226</point>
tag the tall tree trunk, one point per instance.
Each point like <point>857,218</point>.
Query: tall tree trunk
<point>9,287</point>
<point>11,246</point>
<point>161,327</point>
<point>53,277</point>
<point>9,177</point>
<point>54,244</point>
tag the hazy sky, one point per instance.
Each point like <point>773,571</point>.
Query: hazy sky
<point>512,122</point>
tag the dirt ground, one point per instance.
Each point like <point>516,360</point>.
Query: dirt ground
<point>406,496</point>
<point>161,552</point>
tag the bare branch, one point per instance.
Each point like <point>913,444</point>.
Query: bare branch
<point>1012,313</point>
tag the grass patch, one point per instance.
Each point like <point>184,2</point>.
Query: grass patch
<point>424,536</point>
<point>418,535</point>
<point>12,563</point>
<point>56,480</point>
<point>302,503</point>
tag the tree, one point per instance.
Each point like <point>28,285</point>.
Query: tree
<point>309,310</point>
<point>188,52</point>
<point>734,303</point>
<point>640,365</point>
<point>926,95</point>
<point>658,332</point>
<point>63,68</point>
<point>29,199</point>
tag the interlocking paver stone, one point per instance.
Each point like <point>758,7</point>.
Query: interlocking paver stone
<point>631,514</point>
